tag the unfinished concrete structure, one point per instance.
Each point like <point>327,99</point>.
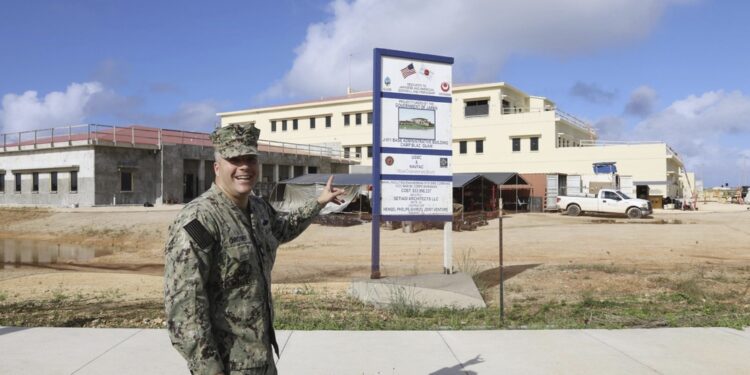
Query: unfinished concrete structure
<point>91,165</point>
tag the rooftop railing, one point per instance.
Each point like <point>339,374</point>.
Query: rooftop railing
<point>586,142</point>
<point>138,136</point>
<point>575,121</point>
<point>589,143</point>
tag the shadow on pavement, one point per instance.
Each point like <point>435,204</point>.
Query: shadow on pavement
<point>459,368</point>
<point>7,330</point>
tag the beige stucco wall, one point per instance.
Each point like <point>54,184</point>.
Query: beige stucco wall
<point>525,117</point>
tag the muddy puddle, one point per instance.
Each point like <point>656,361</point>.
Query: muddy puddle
<point>23,252</point>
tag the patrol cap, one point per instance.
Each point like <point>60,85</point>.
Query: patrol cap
<point>236,140</point>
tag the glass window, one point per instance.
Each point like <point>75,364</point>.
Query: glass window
<point>534,143</point>
<point>35,181</point>
<point>273,126</point>
<point>358,152</point>
<point>18,182</point>
<point>611,195</point>
<point>369,117</point>
<point>369,151</point>
<point>283,125</point>
<point>358,119</point>
<point>516,144</point>
<point>53,181</point>
<point>294,124</point>
<point>312,122</point>
<point>479,148</point>
<point>328,121</point>
<point>346,152</point>
<point>346,120</point>
<point>2,182</point>
<point>461,147</point>
<point>126,181</point>
<point>73,181</point>
<point>477,108</point>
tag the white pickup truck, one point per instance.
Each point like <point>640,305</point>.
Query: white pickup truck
<point>606,201</point>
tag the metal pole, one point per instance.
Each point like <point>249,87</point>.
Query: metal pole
<point>376,166</point>
<point>502,282</point>
<point>448,248</point>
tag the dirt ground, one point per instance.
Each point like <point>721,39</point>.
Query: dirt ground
<point>546,256</point>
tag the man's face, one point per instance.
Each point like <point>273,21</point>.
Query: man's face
<point>238,175</point>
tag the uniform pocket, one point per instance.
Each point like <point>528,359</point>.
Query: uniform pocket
<point>239,266</point>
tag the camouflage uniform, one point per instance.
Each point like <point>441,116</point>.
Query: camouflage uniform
<point>218,262</point>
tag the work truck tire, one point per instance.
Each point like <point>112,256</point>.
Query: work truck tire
<point>573,210</point>
<point>634,213</point>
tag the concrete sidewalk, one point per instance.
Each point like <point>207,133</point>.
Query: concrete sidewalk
<point>632,351</point>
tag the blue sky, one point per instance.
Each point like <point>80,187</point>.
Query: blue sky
<point>669,70</point>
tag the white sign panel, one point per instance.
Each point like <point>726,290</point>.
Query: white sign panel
<point>416,124</point>
<point>417,197</point>
<point>416,77</point>
<point>419,165</point>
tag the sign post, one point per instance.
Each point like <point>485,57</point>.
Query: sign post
<point>412,141</point>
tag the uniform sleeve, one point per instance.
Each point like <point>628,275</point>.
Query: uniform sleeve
<point>186,269</point>
<point>287,228</point>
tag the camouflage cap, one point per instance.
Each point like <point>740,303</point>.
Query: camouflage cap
<point>236,140</point>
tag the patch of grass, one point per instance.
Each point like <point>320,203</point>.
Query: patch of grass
<point>689,288</point>
<point>599,267</point>
<point>58,295</point>
<point>403,301</point>
<point>467,264</point>
<point>342,312</point>
<point>3,296</point>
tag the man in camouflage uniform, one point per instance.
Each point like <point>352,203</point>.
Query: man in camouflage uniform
<point>218,260</point>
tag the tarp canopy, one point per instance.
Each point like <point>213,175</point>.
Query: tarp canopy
<point>302,189</point>
<point>338,179</point>
<point>497,178</point>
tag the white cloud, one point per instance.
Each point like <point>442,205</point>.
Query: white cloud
<point>710,132</point>
<point>611,128</point>
<point>480,34</point>
<point>90,102</point>
<point>29,111</point>
<point>642,102</point>
<point>198,116</point>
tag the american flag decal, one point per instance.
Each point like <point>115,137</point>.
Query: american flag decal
<point>409,70</point>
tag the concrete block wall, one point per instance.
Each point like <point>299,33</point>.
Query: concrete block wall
<point>175,158</point>
<point>143,164</point>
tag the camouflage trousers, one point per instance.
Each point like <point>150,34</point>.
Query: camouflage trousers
<point>269,369</point>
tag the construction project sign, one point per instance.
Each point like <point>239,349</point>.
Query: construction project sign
<point>412,138</point>
<point>411,143</point>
